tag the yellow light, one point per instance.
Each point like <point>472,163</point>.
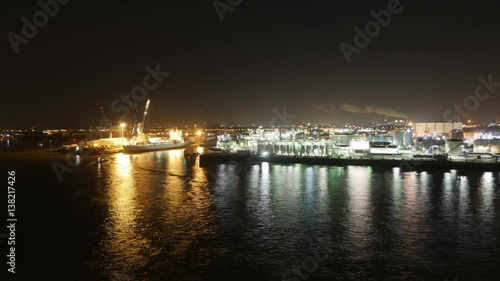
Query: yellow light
<point>122,124</point>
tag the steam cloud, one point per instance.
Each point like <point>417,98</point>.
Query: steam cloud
<point>370,109</point>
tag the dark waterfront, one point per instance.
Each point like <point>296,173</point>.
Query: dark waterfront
<point>159,216</point>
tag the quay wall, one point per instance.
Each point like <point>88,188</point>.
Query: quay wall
<point>206,159</point>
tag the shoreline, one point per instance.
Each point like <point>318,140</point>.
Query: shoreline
<point>406,164</point>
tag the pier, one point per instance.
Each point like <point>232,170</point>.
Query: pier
<point>403,163</point>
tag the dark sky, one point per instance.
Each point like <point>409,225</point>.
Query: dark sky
<point>264,55</point>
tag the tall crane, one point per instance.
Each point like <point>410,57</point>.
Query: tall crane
<point>205,122</point>
<point>140,127</point>
<point>134,123</point>
<point>106,122</point>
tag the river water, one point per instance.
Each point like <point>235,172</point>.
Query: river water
<point>160,216</point>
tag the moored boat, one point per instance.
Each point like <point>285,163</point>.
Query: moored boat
<point>152,146</point>
<point>142,142</point>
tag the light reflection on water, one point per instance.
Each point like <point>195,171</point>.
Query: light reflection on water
<point>487,197</point>
<point>165,218</point>
<point>360,213</point>
<point>125,240</point>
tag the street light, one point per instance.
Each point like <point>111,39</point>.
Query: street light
<point>123,126</point>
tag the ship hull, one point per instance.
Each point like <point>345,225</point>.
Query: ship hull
<point>151,147</point>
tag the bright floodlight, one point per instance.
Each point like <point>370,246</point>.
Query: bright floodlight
<point>122,124</point>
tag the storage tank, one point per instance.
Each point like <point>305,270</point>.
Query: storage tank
<point>276,149</point>
<point>374,138</point>
<point>269,149</point>
<point>260,148</point>
<point>402,138</point>
<point>315,150</point>
<point>302,149</point>
<point>308,149</point>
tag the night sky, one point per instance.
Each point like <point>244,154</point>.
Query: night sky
<point>263,55</point>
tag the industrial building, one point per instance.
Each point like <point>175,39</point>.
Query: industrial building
<point>402,138</point>
<point>487,145</point>
<point>383,149</point>
<point>105,142</point>
<point>380,138</point>
<point>454,146</point>
<point>437,128</point>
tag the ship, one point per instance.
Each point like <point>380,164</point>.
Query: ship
<point>152,146</point>
<point>141,142</point>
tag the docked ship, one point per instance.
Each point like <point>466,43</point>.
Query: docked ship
<point>141,142</point>
<point>153,145</point>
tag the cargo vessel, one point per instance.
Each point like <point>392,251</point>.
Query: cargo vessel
<point>152,146</point>
<point>141,142</point>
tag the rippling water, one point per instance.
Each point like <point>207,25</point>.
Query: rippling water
<point>159,216</point>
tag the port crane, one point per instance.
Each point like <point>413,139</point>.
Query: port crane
<point>107,122</point>
<point>205,123</point>
<point>134,123</point>
<point>140,126</point>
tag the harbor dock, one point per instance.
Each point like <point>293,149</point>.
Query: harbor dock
<point>403,163</point>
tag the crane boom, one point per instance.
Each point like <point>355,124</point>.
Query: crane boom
<point>134,123</point>
<point>145,113</point>
<point>106,122</point>
<point>205,122</point>
<point>140,126</point>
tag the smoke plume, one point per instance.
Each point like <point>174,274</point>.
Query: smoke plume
<point>371,109</point>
